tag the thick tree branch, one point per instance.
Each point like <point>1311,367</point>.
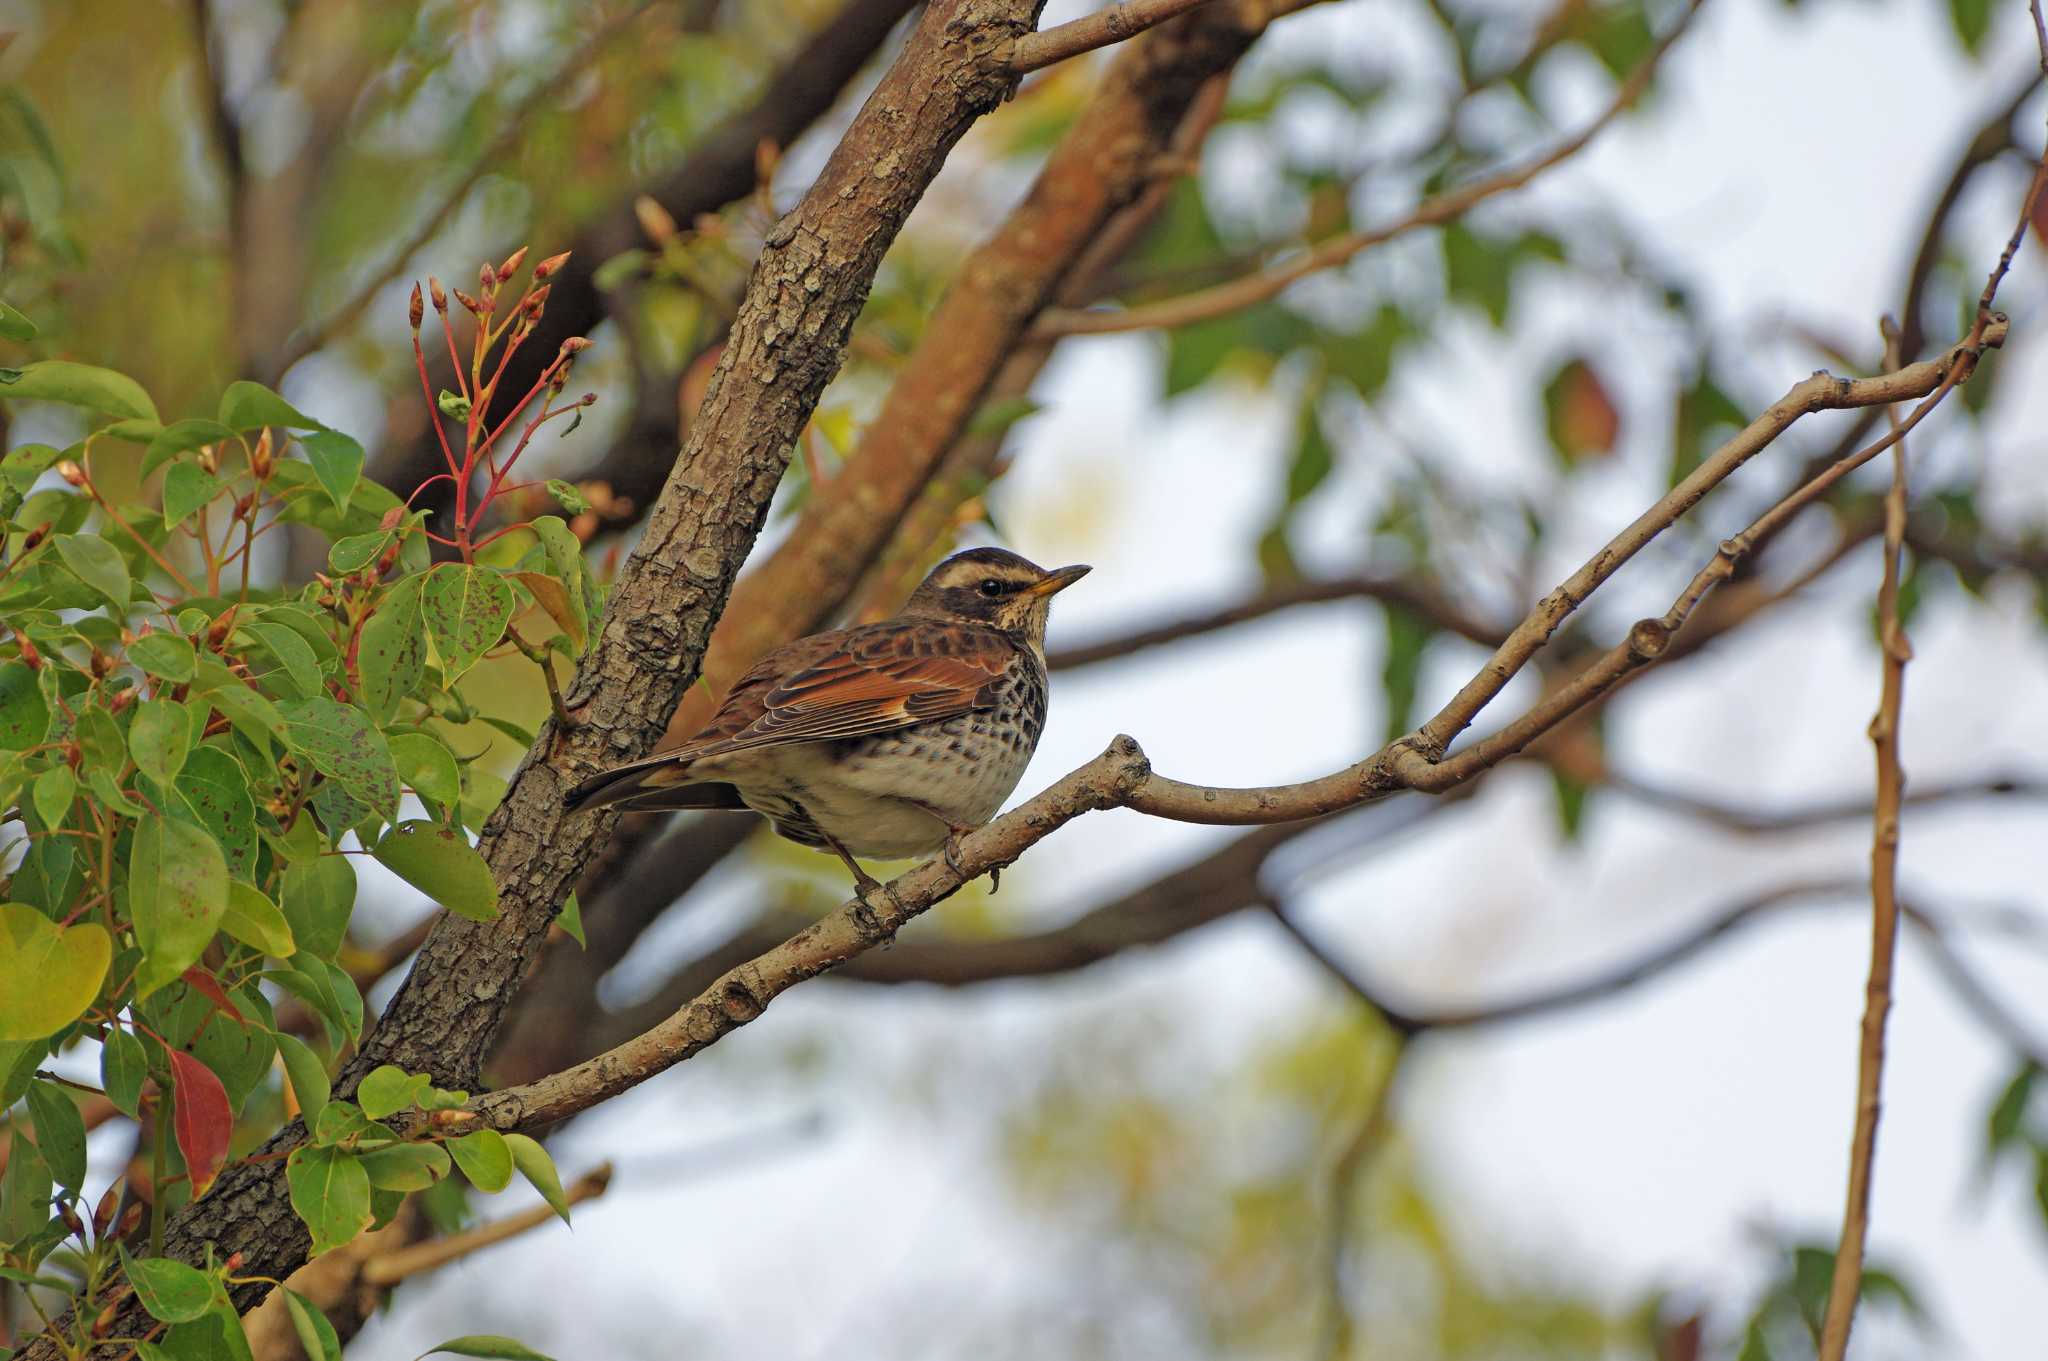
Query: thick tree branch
<point>1436,210</point>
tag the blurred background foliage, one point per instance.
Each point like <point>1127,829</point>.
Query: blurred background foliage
<point>194,193</point>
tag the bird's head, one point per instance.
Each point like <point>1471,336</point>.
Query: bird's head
<point>995,588</point>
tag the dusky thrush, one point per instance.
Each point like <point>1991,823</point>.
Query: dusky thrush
<point>891,740</point>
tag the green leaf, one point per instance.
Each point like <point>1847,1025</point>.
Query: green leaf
<point>24,1191</point>
<point>177,891</point>
<point>466,609</point>
<point>337,461</point>
<point>318,897</point>
<point>59,380</point>
<point>253,716</point>
<point>995,416</point>
<point>55,789</point>
<point>391,649</point>
<point>2010,1111</point>
<point>294,656</point>
<point>485,1158</point>
<point>15,326</point>
<point>357,551</point>
<point>239,1050</point>
<point>24,463</point>
<point>100,739</point>
<point>187,487</point>
<point>308,1075</point>
<point>1972,20</point>
<point>329,990</point>
<point>1313,457</point>
<point>248,406</point>
<point>570,919</point>
<point>565,558</point>
<point>53,973</point>
<point>331,1193</point>
<point>317,1337</point>
<point>406,1167</point>
<point>452,404</point>
<point>442,865</point>
<point>124,1063</point>
<point>24,714</point>
<point>427,767</point>
<point>343,745</point>
<point>98,564</point>
<point>216,794</point>
<point>567,496</point>
<point>170,1290</point>
<point>254,920</point>
<point>538,1168</point>
<point>163,655</point>
<point>388,1089</point>
<point>160,738</point>
<point>60,1133</point>
<point>487,1345</point>
<point>1478,270</point>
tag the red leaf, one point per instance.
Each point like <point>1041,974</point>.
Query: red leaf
<point>200,981</point>
<point>203,1118</point>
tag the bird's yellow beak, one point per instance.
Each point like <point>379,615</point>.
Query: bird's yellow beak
<point>1059,580</point>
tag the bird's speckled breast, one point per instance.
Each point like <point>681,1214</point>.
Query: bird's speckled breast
<point>871,794</point>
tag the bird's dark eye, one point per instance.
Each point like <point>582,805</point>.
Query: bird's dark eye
<point>990,587</point>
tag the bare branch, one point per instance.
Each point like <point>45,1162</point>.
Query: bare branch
<point>415,1259</point>
<point>1433,211</point>
<point>1931,379</point>
<point>1847,1283</point>
<point>1747,821</point>
<point>1406,593</point>
<point>1126,19</point>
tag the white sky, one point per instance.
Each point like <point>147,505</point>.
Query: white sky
<point>1636,1143</point>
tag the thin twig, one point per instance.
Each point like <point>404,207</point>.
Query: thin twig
<point>1035,51</point>
<point>393,1267</point>
<point>1884,906</point>
<point>1433,211</point>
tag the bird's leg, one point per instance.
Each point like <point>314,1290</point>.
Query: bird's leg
<point>863,882</point>
<point>951,849</point>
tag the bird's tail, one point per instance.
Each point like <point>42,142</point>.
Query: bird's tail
<point>652,784</point>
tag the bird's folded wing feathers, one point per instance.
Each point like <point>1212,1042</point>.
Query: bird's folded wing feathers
<point>852,683</point>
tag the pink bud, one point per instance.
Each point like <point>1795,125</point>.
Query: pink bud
<point>511,265</point>
<point>550,265</point>
<point>416,309</point>
<point>440,294</point>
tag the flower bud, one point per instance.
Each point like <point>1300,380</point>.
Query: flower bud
<point>416,308</point>
<point>121,701</point>
<point>575,345</point>
<point>439,295</point>
<point>262,459</point>
<point>548,266</point>
<point>103,1214</point>
<point>511,265</point>
<point>476,308</point>
<point>71,472</point>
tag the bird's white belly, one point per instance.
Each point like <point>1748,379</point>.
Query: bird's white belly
<point>873,797</point>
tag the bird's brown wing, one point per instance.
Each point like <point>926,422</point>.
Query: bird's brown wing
<point>847,683</point>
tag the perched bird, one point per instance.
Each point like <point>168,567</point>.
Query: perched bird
<point>892,740</point>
